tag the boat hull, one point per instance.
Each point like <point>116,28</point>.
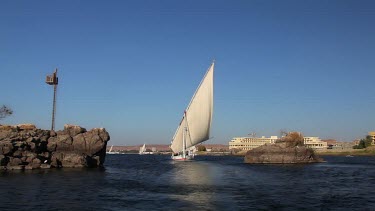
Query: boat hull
<point>180,158</point>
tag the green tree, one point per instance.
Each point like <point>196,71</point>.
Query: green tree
<point>368,141</point>
<point>201,148</point>
<point>5,111</point>
<point>364,143</point>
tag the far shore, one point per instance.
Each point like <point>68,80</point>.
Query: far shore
<point>369,151</point>
<point>359,152</point>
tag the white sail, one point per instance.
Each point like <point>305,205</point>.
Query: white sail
<point>142,149</point>
<point>111,152</point>
<point>198,115</point>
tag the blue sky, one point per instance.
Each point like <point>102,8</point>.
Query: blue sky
<point>132,66</point>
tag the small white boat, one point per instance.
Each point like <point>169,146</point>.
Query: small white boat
<point>142,149</point>
<point>111,152</point>
<point>195,125</point>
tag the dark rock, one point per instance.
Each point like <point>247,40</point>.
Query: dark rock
<point>18,153</point>
<point>31,146</point>
<point>91,142</point>
<point>20,167</point>
<point>19,144</point>
<point>56,159</point>
<point>14,161</point>
<point>68,160</point>
<point>44,137</point>
<point>52,133</point>
<point>79,143</point>
<point>44,155</point>
<point>73,130</point>
<point>30,139</point>
<point>30,157</point>
<point>64,143</point>
<point>36,163</point>
<point>29,167</point>
<point>289,149</point>
<point>6,147</point>
<point>281,153</point>
<point>52,144</point>
<point>5,132</point>
<point>41,147</point>
<point>4,160</point>
<point>26,127</point>
<point>25,147</point>
<point>45,166</point>
<point>92,161</point>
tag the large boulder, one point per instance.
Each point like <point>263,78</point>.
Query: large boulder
<point>26,127</point>
<point>288,150</point>
<point>73,130</point>
<point>6,147</point>
<point>91,142</point>
<point>70,160</point>
<point>280,153</point>
<point>26,147</point>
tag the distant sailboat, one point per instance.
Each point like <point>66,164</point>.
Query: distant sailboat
<point>142,149</point>
<point>195,125</point>
<point>111,152</point>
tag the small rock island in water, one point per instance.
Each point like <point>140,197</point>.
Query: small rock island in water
<point>26,147</point>
<point>289,149</point>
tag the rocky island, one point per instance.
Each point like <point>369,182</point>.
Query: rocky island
<point>26,147</point>
<point>288,150</point>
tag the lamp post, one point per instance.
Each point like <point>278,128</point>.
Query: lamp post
<point>53,80</point>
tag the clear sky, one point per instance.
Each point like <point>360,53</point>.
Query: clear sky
<point>132,66</point>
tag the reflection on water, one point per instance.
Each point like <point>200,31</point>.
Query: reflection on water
<point>192,173</point>
<point>149,182</point>
<point>199,176</point>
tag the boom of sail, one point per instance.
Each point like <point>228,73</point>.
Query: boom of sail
<point>197,118</point>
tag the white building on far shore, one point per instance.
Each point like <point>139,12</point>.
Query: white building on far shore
<point>372,136</point>
<point>248,143</point>
<point>314,143</point>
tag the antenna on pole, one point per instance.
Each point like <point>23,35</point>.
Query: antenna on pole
<point>252,134</point>
<point>53,80</point>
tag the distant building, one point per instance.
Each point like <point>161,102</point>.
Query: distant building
<point>248,143</point>
<point>344,145</point>
<point>372,135</point>
<point>331,143</point>
<point>314,143</point>
<point>216,147</point>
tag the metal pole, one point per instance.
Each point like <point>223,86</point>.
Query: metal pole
<point>54,106</point>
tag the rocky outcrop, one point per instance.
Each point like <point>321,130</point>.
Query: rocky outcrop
<point>280,153</point>
<point>288,150</point>
<point>26,147</point>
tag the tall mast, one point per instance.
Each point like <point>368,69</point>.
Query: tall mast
<point>184,137</point>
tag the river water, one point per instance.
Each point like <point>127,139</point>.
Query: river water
<point>154,182</point>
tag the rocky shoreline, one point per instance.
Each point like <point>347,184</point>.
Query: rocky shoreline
<point>24,147</point>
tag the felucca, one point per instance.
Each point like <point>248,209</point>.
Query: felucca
<point>195,125</point>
